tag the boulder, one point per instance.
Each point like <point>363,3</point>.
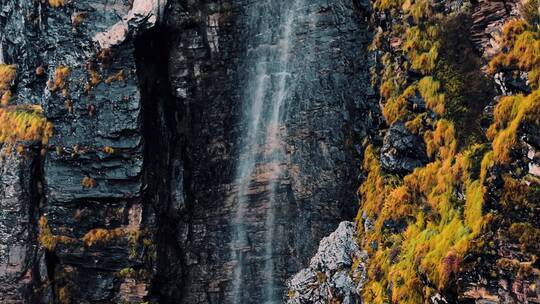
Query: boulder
<point>402,151</point>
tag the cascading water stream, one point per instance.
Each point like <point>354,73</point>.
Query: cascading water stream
<point>261,148</point>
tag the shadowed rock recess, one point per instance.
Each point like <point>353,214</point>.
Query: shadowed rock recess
<point>134,198</point>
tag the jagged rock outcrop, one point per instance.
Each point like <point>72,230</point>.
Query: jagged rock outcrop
<point>143,15</point>
<point>402,151</point>
<point>330,276</point>
<point>488,19</point>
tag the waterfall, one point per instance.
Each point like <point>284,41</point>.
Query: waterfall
<point>265,96</point>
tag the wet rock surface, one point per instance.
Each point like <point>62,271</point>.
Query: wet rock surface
<point>208,71</point>
<point>133,197</point>
<point>18,243</point>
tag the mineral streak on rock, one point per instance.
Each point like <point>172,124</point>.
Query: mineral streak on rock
<point>144,15</point>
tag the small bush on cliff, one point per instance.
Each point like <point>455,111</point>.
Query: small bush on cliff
<point>47,239</point>
<point>24,123</point>
<point>64,295</point>
<point>59,80</point>
<point>57,3</point>
<point>439,225</point>
<point>97,236</point>
<point>7,75</point>
<point>511,112</point>
<point>88,182</point>
<point>522,44</point>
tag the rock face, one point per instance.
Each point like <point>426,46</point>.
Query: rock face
<point>137,186</point>
<point>330,276</point>
<point>402,151</point>
<point>488,19</point>
<point>92,221</point>
<point>18,229</point>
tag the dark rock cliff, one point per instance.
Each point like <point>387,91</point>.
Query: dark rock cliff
<point>208,72</point>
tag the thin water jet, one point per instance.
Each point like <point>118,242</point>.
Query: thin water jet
<point>264,132</point>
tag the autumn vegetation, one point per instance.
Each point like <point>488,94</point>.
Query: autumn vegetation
<point>24,123</point>
<point>418,228</point>
<point>57,3</point>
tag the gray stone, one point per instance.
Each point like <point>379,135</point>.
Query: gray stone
<point>402,151</point>
<point>330,276</point>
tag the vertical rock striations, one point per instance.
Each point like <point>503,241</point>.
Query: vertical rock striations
<point>19,201</point>
<point>92,221</point>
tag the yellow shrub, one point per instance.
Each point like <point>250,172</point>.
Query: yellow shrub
<point>387,4</point>
<point>505,111</point>
<point>374,189</point>
<point>509,115</point>
<point>416,125</point>
<point>99,235</point>
<point>108,150</point>
<point>59,80</point>
<point>47,239</point>
<point>7,75</point>
<point>396,108</point>
<point>5,99</point>
<point>439,230</point>
<point>23,123</point>
<point>397,204</point>
<point>119,76</point>
<point>473,207</point>
<point>441,142</point>
<point>419,10</point>
<point>57,3</point>
<point>429,89</point>
<point>422,47</point>
<point>421,226</point>
<point>387,89</point>
<point>523,50</point>
<point>486,164</point>
<point>88,182</point>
